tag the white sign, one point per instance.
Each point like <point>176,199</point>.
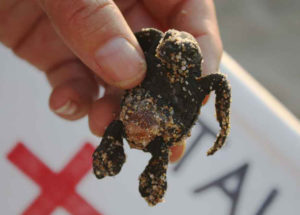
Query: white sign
<point>46,161</point>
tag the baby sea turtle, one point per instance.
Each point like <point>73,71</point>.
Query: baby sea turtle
<point>160,112</point>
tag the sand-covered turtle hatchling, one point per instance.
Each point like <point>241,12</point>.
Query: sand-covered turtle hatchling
<point>160,112</point>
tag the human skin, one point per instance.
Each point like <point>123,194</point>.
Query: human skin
<point>82,44</point>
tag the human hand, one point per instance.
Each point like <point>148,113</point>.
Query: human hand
<point>81,44</point>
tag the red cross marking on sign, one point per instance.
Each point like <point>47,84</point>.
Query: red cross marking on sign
<point>57,189</point>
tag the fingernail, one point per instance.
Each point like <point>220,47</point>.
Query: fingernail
<point>177,152</point>
<point>209,68</point>
<point>211,58</point>
<point>69,108</point>
<point>120,61</point>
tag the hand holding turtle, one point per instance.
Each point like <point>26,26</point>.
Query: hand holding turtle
<point>80,44</point>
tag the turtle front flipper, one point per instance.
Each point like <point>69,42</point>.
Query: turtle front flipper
<point>109,156</point>
<point>148,38</point>
<point>218,82</point>
<point>153,181</point>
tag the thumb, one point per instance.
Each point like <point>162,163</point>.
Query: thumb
<point>98,34</point>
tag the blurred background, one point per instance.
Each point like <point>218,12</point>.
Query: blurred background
<point>263,36</point>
